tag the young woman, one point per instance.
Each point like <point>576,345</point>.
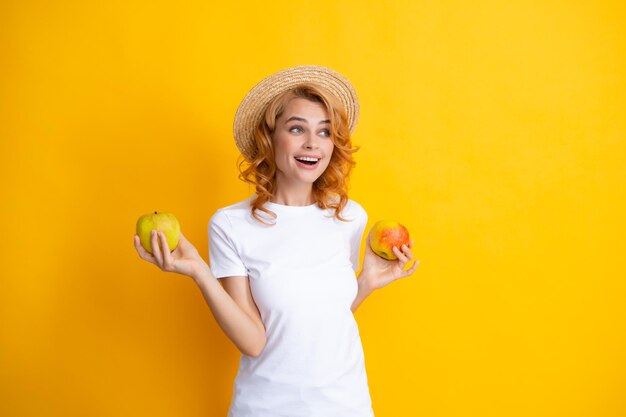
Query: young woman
<point>287,256</point>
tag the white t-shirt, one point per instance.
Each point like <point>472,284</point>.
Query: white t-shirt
<point>302,278</point>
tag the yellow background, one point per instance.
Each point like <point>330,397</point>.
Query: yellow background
<point>493,130</point>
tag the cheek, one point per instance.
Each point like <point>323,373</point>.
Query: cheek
<point>331,148</point>
<point>329,151</point>
<point>326,162</point>
<point>280,147</point>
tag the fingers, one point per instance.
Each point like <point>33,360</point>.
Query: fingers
<point>411,269</point>
<point>184,240</point>
<point>167,257</point>
<point>143,253</point>
<point>403,257</point>
<point>402,260</point>
<point>156,252</point>
<point>407,250</point>
<point>160,256</point>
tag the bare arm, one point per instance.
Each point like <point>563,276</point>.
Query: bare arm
<point>365,289</point>
<point>232,305</point>
<point>234,310</point>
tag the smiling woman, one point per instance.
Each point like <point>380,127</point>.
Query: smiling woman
<point>286,257</point>
<point>302,123</point>
<point>302,147</point>
<point>300,272</point>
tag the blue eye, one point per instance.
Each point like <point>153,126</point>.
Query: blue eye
<point>298,129</point>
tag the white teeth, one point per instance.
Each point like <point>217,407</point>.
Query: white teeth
<point>306,158</point>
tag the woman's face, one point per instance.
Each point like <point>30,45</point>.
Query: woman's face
<point>302,131</point>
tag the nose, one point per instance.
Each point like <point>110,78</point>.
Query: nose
<point>311,141</point>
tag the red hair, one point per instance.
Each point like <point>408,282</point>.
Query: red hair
<point>330,190</point>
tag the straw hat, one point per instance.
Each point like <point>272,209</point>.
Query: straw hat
<point>251,108</point>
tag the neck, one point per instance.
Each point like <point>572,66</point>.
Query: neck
<point>293,194</point>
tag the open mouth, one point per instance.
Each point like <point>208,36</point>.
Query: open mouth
<point>307,161</point>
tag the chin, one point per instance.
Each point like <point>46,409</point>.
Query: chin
<point>310,180</point>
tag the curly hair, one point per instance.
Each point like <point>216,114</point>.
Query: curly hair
<point>330,190</point>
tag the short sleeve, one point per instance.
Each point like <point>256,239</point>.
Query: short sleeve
<point>357,236</point>
<point>224,258</point>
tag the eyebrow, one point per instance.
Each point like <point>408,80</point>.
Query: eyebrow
<point>304,120</point>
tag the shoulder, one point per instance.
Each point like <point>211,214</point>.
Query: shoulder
<point>227,214</point>
<point>354,210</point>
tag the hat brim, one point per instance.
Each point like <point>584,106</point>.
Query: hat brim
<point>250,110</point>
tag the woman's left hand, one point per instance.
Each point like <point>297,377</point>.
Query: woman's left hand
<point>379,271</point>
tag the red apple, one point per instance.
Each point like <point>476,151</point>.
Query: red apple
<point>386,234</point>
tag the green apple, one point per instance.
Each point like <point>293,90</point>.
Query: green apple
<point>162,222</point>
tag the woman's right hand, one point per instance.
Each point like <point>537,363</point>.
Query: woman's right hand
<point>183,260</point>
